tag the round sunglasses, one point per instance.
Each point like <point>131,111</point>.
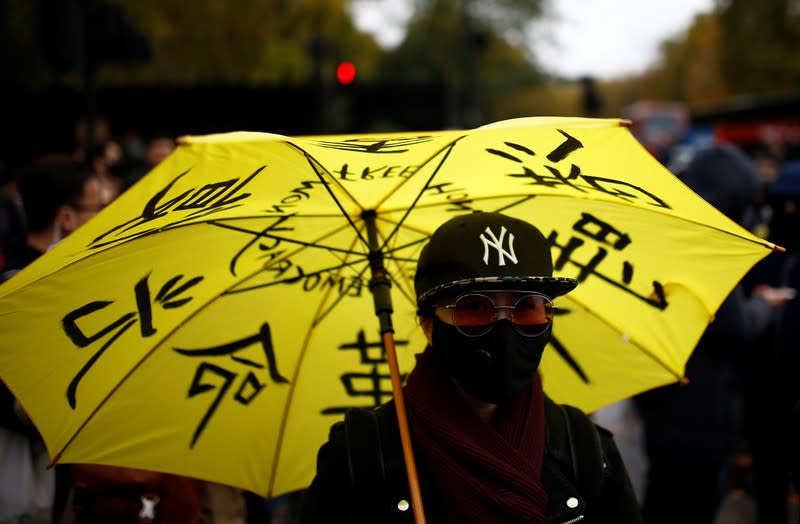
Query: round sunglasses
<point>474,314</point>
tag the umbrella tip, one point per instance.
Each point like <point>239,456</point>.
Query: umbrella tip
<point>53,461</point>
<point>779,249</point>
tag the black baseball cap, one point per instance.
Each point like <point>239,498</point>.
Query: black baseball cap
<point>488,250</point>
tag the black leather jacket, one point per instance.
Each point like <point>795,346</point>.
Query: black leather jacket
<point>592,486</point>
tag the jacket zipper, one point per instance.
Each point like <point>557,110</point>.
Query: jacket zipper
<point>571,521</point>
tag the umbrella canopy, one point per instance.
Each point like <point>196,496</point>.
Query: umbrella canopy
<point>218,317</point>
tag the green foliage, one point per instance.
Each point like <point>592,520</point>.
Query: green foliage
<point>742,48</point>
<point>21,57</point>
<point>431,50</point>
<point>472,47</point>
<point>760,45</point>
<point>247,42</point>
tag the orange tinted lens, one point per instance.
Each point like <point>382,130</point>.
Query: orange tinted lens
<point>473,311</point>
<point>532,313</point>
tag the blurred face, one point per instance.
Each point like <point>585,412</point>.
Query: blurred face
<point>73,215</point>
<point>785,222</point>
<point>768,169</point>
<point>158,150</point>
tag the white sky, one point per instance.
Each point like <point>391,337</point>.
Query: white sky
<point>601,38</point>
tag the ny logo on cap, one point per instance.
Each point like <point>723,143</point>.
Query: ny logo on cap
<point>497,244</point>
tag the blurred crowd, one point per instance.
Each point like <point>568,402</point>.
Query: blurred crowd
<point>113,164</point>
<point>725,442</point>
<point>730,431</point>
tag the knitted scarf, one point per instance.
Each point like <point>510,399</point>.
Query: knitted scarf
<point>485,473</point>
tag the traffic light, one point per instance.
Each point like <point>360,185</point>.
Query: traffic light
<point>345,73</point>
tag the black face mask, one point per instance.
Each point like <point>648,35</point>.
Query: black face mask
<point>493,367</point>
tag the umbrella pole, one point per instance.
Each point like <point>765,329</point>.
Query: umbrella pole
<point>379,286</point>
<point>405,435</point>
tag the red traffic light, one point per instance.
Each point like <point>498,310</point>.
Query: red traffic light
<point>345,73</point>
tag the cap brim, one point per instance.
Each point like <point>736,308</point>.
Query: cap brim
<point>550,286</point>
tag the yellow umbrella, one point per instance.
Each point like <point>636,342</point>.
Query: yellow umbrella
<point>219,316</point>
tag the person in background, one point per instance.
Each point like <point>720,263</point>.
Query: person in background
<point>58,195</point>
<point>158,147</point>
<point>758,216</point>
<point>105,159</point>
<point>692,430</point>
<point>772,390</point>
<point>12,216</point>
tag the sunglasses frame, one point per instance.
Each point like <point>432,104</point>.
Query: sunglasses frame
<point>482,293</point>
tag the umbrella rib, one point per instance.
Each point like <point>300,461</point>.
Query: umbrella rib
<point>303,349</point>
<point>316,166</point>
<point>322,314</point>
<point>409,285</point>
<point>407,210</point>
<point>314,163</point>
<point>425,162</point>
<point>632,341</point>
<point>315,243</point>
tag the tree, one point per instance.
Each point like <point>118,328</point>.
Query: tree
<point>248,42</point>
<point>689,67</point>
<point>760,51</point>
<point>476,49</point>
<point>21,58</point>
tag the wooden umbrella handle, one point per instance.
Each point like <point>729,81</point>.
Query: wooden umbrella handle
<point>379,287</point>
<point>405,435</point>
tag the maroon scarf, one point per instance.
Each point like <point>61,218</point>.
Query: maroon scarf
<point>485,473</point>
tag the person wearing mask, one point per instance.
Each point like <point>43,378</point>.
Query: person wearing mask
<point>490,446</point>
